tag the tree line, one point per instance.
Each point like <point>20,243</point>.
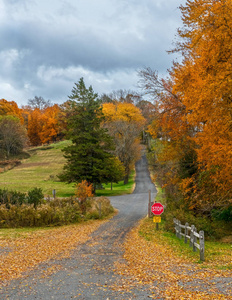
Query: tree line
<point>192,127</point>
<point>105,131</point>
<point>189,119</point>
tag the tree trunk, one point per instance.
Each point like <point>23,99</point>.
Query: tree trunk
<point>126,179</point>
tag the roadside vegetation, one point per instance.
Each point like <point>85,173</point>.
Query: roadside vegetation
<point>159,260</point>
<point>190,146</point>
<point>217,254</point>
<point>30,202</point>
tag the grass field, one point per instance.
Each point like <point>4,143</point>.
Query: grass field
<point>41,169</point>
<point>118,188</point>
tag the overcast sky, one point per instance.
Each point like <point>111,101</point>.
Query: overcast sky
<point>47,45</point>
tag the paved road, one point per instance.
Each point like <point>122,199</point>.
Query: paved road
<point>88,273</point>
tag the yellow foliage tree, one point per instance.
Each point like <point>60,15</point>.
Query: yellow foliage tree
<point>125,122</point>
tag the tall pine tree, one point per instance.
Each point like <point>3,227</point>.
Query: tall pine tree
<point>89,154</point>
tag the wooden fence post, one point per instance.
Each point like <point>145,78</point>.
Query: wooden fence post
<point>149,204</point>
<point>174,220</point>
<point>191,237</point>
<point>202,245</point>
<point>186,233</point>
<point>179,229</point>
<point>194,239</point>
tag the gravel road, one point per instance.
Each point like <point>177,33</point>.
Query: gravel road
<point>89,272</point>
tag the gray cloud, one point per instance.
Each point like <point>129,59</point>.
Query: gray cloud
<point>46,46</point>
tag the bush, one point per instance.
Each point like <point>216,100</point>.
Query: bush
<point>12,197</point>
<point>213,228</point>
<point>51,212</point>
<point>222,214</point>
<point>98,208</point>
<point>35,196</point>
<point>84,190</point>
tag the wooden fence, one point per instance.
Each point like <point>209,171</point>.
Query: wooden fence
<point>191,234</point>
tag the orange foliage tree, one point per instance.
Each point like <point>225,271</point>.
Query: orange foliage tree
<point>173,148</point>
<point>195,104</point>
<point>43,125</point>
<point>35,127</point>
<point>10,108</point>
<point>204,82</point>
<point>50,124</point>
<point>84,190</point>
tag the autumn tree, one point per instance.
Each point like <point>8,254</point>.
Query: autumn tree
<point>170,129</point>
<point>124,122</point>
<point>35,127</point>
<point>121,96</point>
<point>51,128</point>
<point>10,108</point>
<point>87,157</point>
<point>148,110</point>
<point>39,102</point>
<point>204,81</point>
<point>13,136</point>
<point>194,105</point>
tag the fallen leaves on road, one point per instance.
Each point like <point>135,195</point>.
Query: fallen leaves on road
<point>169,276</point>
<point>24,253</point>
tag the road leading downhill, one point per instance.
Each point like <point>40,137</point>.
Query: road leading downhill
<point>89,272</point>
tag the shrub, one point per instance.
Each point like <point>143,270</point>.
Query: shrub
<point>55,212</point>
<point>222,214</point>
<point>35,196</point>
<point>12,197</point>
<point>84,190</point>
<point>98,208</point>
<point>52,212</point>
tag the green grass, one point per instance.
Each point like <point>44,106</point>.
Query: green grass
<point>160,197</point>
<point>118,188</point>
<point>40,170</point>
<point>217,255</point>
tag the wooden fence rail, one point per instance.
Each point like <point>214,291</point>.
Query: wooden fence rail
<point>190,232</point>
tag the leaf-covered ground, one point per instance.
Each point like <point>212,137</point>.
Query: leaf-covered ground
<point>82,265</point>
<point>26,250</point>
<point>151,261</point>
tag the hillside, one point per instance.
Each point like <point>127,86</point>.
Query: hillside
<point>39,170</point>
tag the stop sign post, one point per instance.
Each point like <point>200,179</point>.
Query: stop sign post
<point>157,209</point>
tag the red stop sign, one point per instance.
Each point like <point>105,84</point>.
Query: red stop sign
<point>157,208</point>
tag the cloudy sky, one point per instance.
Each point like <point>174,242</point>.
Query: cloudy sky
<point>47,45</point>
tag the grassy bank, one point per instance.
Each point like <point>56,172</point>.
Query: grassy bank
<point>41,169</point>
<point>217,254</point>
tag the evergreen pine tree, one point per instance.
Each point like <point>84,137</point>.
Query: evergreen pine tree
<point>89,153</point>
